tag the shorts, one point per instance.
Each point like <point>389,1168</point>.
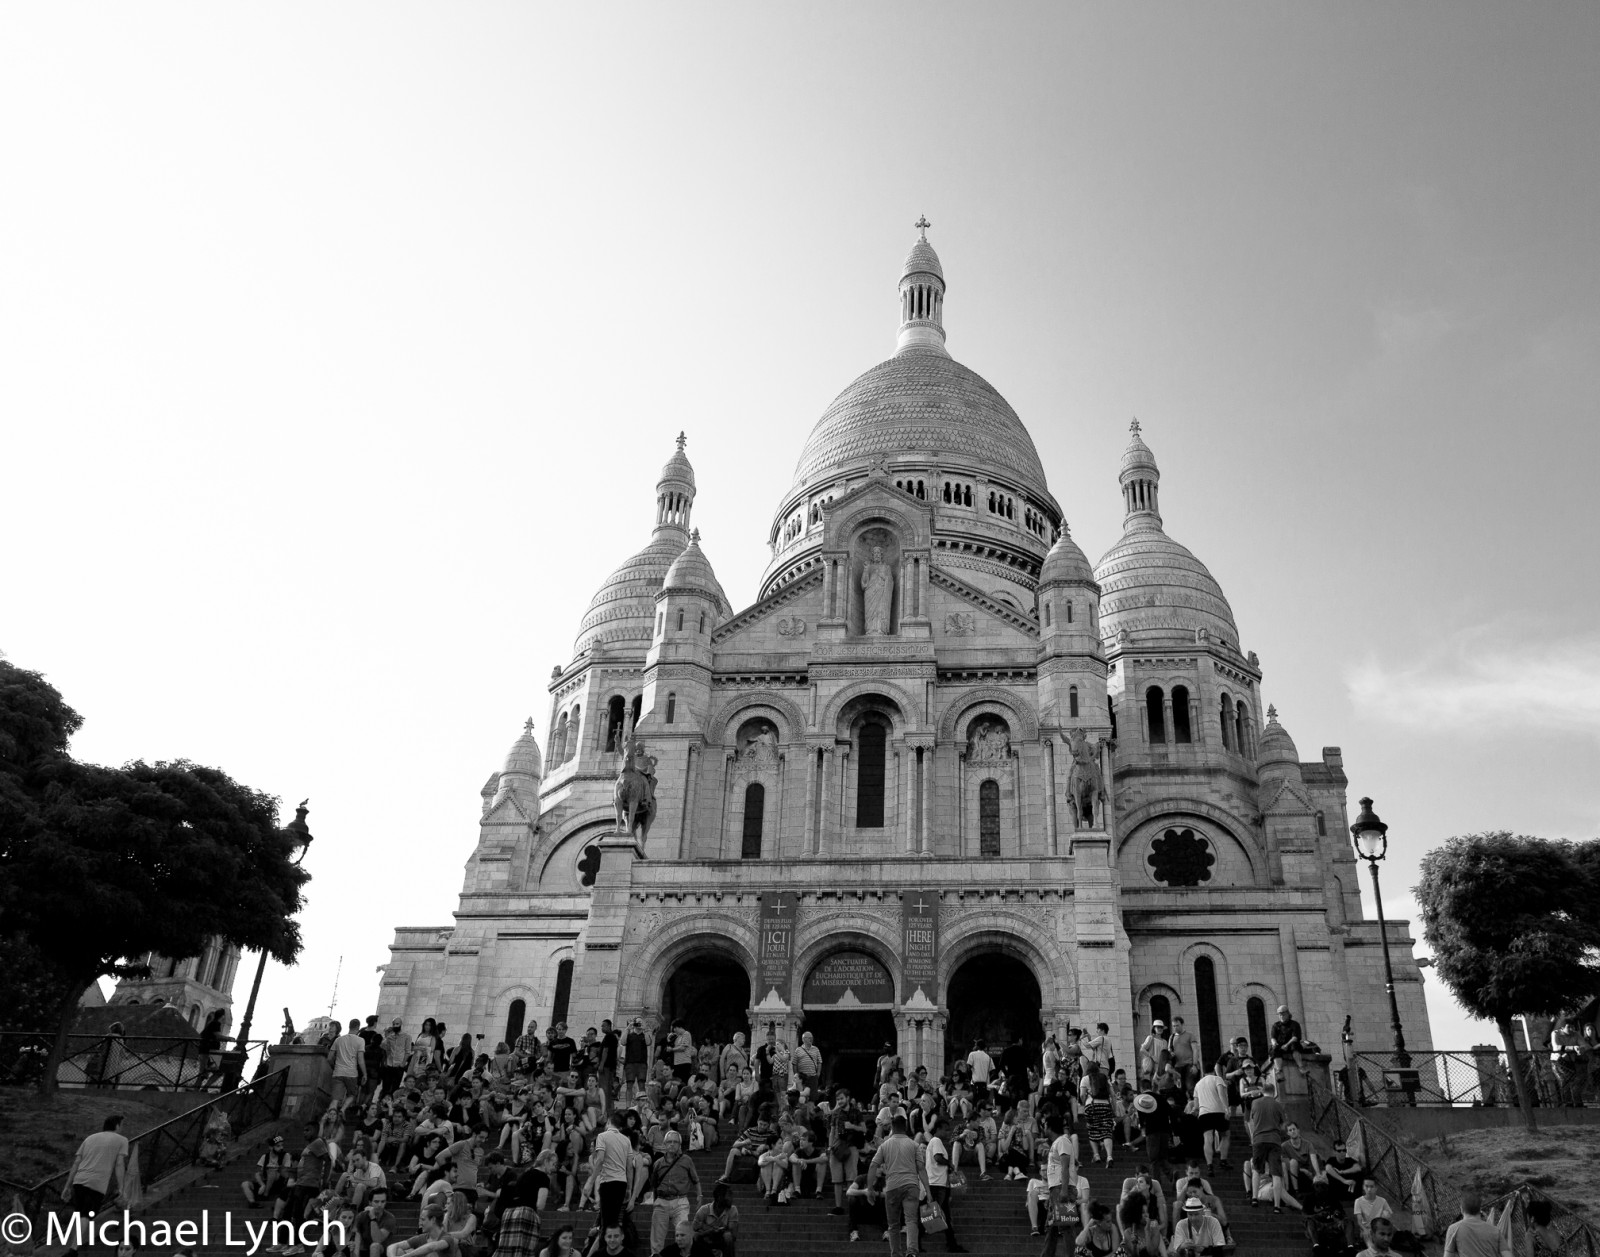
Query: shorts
<point>633,1071</point>
<point>1214,1121</point>
<point>1268,1157</point>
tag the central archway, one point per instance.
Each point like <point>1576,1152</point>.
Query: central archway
<point>848,1000</point>
<point>995,998</point>
<point>710,994</point>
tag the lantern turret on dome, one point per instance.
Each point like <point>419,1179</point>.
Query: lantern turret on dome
<point>922,297</point>
<point>1276,754</point>
<point>1072,674</point>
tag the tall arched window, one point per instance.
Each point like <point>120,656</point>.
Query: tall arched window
<point>1322,825</point>
<point>755,804</point>
<point>1069,610</point>
<point>1153,704</point>
<point>571,745</point>
<point>680,620</point>
<point>1255,1012</point>
<point>633,714</point>
<point>516,1018</point>
<point>558,1010</point>
<point>1227,721</point>
<point>558,748</point>
<point>989,819</point>
<point>1161,1010</point>
<point>702,621</point>
<point>871,744</point>
<point>615,710</point>
<point>672,707</point>
<point>1239,728</point>
<point>1180,714</point>
<point>1111,711</point>
<point>1072,701</point>
<point>1205,1000</point>
<point>1047,613</point>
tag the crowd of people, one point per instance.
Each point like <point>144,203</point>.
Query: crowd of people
<point>498,1148</point>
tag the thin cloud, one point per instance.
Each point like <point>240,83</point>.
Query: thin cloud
<point>1481,682</point>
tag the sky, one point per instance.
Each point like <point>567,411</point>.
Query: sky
<point>340,347</point>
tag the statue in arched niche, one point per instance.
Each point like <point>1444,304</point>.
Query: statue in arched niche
<point>988,741</point>
<point>759,745</point>
<point>877,594</point>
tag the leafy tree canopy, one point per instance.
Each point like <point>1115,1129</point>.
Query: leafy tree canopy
<point>99,865</point>
<point>1512,922</point>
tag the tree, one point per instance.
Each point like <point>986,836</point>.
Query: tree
<point>99,866</point>
<point>1511,922</point>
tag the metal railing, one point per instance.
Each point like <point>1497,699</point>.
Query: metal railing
<point>1566,1235</point>
<point>129,1063</point>
<point>1479,1078</point>
<point>160,1152</point>
<point>1403,1176</point>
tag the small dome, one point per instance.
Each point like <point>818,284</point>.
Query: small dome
<point>691,572</point>
<point>524,756</point>
<point>1276,747</point>
<point>1138,456</point>
<point>922,260</point>
<point>1154,588</point>
<point>623,609</point>
<point>677,469</point>
<point>1065,562</point>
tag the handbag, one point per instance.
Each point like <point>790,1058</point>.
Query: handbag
<point>840,1150</point>
<point>932,1218</point>
<point>958,1181</point>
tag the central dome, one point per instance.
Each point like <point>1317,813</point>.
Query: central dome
<point>917,402</point>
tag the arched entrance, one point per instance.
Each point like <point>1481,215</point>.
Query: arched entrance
<point>848,1001</point>
<point>710,994</point>
<point>995,998</point>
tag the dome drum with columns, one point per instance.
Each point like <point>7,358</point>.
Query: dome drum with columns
<point>978,785</point>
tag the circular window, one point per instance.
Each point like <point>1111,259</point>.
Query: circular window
<point>1180,857</point>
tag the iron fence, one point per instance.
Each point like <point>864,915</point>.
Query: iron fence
<point>160,1152</point>
<point>125,1062</point>
<point>1479,1078</point>
<point>1405,1177</point>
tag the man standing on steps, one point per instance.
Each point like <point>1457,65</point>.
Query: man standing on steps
<point>1266,1125</point>
<point>899,1160</point>
<point>1185,1052</point>
<point>938,1173</point>
<point>808,1066</point>
<point>101,1160</point>
<point>606,1069</point>
<point>982,1066</point>
<point>349,1056</point>
<point>1471,1235</point>
<point>1211,1100</point>
<point>613,1164</point>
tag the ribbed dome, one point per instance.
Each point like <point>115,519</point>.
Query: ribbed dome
<point>1276,746</point>
<point>691,570</point>
<point>922,260</point>
<point>911,404</point>
<point>623,609</point>
<point>1065,562</point>
<point>1154,588</point>
<point>524,754</point>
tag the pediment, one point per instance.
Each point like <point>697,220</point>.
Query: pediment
<point>509,811</point>
<point>964,615</point>
<point>1288,801</point>
<point>786,619</point>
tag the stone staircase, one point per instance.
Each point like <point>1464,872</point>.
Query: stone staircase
<point>990,1217</point>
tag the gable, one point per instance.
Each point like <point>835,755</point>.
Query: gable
<point>966,617</point>
<point>785,620</point>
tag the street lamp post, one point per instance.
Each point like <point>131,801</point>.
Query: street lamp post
<point>300,832</point>
<point>1372,844</point>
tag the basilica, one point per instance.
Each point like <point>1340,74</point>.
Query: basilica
<point>943,779</point>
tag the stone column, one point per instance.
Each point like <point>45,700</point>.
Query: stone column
<point>1171,729</point>
<point>1052,834</point>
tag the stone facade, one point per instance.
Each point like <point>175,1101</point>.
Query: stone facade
<point>934,692</point>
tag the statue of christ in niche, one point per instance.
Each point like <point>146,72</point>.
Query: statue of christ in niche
<point>877,594</point>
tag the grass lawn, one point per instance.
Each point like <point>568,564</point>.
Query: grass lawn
<point>1562,1161</point>
<point>38,1136</point>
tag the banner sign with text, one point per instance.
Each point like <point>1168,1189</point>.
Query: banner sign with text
<point>848,979</point>
<point>778,909</point>
<point>919,946</point>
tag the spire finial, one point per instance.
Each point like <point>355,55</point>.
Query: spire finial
<point>528,728</point>
<point>1272,714</point>
<point>682,440</point>
<point>694,537</point>
<point>922,224</point>
<point>1134,426</point>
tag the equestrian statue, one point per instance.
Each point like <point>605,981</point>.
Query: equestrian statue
<point>1085,786</point>
<point>636,789</point>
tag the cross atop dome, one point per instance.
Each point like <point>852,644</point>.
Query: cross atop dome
<point>1132,427</point>
<point>682,440</point>
<point>922,224</point>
